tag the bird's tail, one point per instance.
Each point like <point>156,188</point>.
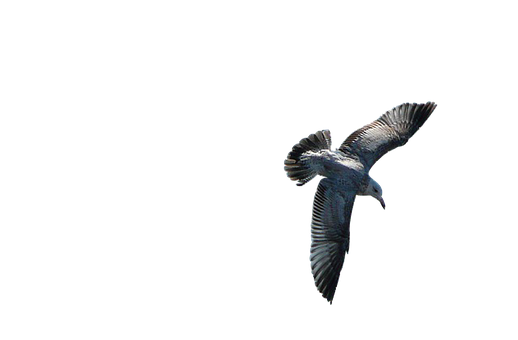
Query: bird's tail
<point>298,163</point>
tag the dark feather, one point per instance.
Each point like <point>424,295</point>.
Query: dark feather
<point>332,209</point>
<point>391,130</point>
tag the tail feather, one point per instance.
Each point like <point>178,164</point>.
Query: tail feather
<point>297,164</point>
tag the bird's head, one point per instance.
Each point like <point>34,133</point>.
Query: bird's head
<point>374,189</point>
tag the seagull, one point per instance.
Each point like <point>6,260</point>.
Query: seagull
<point>346,173</point>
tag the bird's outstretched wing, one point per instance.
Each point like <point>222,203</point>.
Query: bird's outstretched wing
<point>330,234</point>
<point>391,130</point>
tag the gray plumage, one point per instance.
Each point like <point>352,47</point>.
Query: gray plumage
<point>347,175</point>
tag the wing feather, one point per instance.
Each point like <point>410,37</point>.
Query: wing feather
<point>332,209</point>
<point>391,130</point>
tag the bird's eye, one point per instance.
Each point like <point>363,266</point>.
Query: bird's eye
<point>376,190</point>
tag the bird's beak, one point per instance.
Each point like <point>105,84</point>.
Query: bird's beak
<point>382,202</point>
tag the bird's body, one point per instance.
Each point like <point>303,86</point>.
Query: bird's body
<point>336,165</point>
<point>346,173</point>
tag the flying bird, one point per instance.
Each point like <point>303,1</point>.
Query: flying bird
<point>346,173</point>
